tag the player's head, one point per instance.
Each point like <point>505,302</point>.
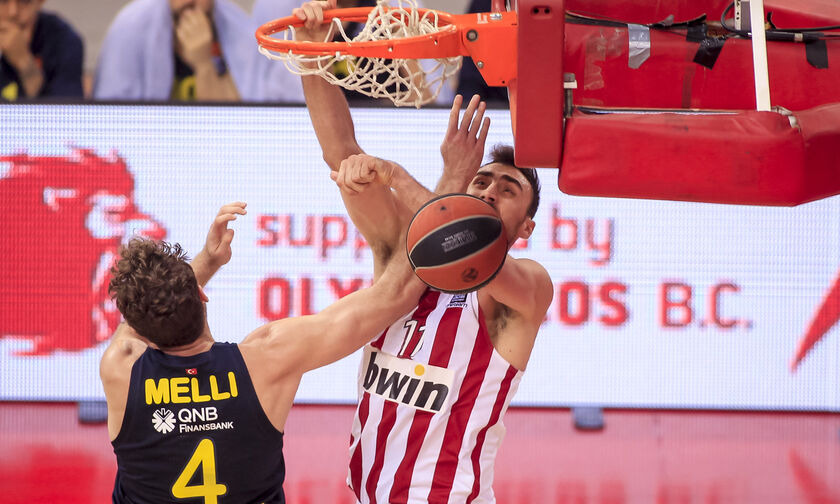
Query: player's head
<point>179,6</point>
<point>513,191</point>
<point>20,12</point>
<point>157,293</point>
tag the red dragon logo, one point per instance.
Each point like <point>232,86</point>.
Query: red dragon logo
<point>64,218</point>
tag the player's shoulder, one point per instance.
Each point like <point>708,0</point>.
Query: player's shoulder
<point>527,289</point>
<point>262,343</point>
<point>119,357</point>
<point>540,275</point>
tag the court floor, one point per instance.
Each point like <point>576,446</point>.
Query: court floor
<point>659,457</point>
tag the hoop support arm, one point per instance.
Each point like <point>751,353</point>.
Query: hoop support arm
<point>490,40</point>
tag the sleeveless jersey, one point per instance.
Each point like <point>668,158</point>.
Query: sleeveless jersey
<point>195,432</point>
<point>432,394</point>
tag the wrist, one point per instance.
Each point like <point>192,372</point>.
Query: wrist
<point>26,65</point>
<point>202,64</point>
<point>202,267</point>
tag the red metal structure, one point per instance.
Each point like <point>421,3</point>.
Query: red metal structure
<point>664,105</point>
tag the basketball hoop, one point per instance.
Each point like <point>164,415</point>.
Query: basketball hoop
<point>381,60</point>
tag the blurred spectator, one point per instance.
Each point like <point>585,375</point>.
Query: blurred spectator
<point>470,81</point>
<point>273,81</point>
<point>178,49</point>
<point>278,84</point>
<point>40,54</point>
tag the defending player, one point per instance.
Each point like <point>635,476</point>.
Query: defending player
<point>471,349</point>
<point>192,418</point>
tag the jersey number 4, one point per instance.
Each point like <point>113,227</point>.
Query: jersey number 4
<point>204,456</point>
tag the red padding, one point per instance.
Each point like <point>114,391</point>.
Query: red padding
<point>598,56</point>
<point>747,158</point>
<point>537,97</point>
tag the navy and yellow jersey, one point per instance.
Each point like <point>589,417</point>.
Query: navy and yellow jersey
<point>195,432</point>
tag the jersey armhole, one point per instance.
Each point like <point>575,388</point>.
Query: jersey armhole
<point>128,411</point>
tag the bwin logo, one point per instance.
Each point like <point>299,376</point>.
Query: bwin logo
<point>163,420</point>
<point>419,386</point>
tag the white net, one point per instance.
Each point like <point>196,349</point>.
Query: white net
<point>406,82</point>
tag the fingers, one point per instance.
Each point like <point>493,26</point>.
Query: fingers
<point>468,114</point>
<point>228,213</point>
<point>482,135</point>
<point>476,120</point>
<point>237,207</point>
<point>356,173</point>
<point>471,122</point>
<point>227,238</point>
<point>193,28</point>
<point>192,19</point>
<point>313,14</point>
<point>454,113</point>
<point>342,178</point>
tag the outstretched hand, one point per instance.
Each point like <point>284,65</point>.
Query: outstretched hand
<point>463,146</point>
<point>312,15</point>
<point>359,171</point>
<point>217,246</point>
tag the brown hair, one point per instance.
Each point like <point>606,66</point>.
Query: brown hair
<point>503,154</point>
<point>157,293</point>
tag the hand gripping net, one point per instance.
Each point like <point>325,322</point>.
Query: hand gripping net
<point>403,81</point>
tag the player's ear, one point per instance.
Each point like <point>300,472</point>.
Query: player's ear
<point>202,294</point>
<point>526,228</point>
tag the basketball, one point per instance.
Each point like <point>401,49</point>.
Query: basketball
<point>456,243</point>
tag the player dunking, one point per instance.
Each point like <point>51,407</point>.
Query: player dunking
<point>193,419</point>
<point>435,386</point>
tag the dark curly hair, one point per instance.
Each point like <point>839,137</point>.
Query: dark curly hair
<point>503,154</point>
<point>157,293</point>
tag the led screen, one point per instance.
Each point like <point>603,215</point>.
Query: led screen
<point>657,304</point>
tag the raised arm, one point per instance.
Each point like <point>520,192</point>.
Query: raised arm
<point>378,215</point>
<point>217,251</point>
<point>215,254</point>
<point>328,109</point>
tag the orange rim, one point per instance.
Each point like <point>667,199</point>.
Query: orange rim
<point>441,44</point>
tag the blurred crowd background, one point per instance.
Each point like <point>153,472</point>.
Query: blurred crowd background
<point>166,50</point>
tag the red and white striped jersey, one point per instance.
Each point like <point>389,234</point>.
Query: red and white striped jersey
<point>432,394</point>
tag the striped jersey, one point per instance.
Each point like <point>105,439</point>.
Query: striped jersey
<point>432,394</point>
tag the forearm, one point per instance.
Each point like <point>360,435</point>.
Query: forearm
<point>450,182</point>
<point>210,86</point>
<point>203,268</point>
<point>31,77</point>
<point>357,318</point>
<point>408,190</point>
<point>331,119</point>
